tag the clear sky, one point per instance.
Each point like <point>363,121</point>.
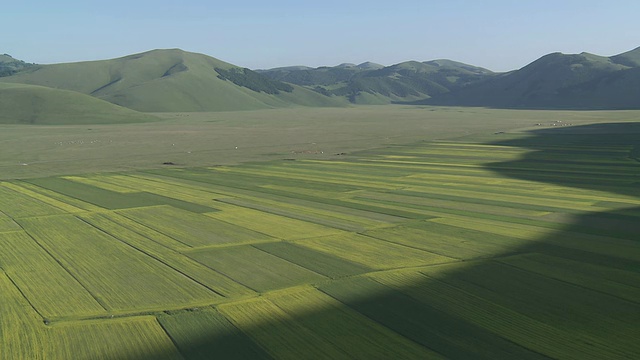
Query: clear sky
<point>500,35</point>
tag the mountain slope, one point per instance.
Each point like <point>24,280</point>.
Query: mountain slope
<point>371,83</point>
<point>29,104</point>
<point>166,81</point>
<point>556,81</point>
<point>10,66</point>
<point>629,58</point>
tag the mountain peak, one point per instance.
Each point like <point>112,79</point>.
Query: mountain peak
<point>368,65</point>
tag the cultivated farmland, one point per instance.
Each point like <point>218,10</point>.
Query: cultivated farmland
<point>520,245</point>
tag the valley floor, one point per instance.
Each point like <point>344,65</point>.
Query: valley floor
<point>491,244</point>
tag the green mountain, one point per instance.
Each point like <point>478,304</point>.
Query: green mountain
<point>171,81</point>
<point>574,81</point>
<point>629,58</point>
<point>371,83</point>
<point>30,104</point>
<point>10,66</point>
<point>177,81</point>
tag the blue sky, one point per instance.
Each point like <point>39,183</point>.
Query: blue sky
<point>497,34</point>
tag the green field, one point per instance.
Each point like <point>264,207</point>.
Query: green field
<point>328,233</point>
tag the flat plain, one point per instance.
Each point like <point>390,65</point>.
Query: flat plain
<point>390,232</point>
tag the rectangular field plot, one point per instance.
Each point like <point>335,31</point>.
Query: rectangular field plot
<point>48,286</point>
<point>207,334</point>
<point>320,262</point>
<point>47,195</point>
<point>18,205</point>
<point>238,184</point>
<point>116,274</point>
<point>312,207</point>
<point>304,213</point>
<point>95,181</point>
<point>277,332</point>
<point>128,338</point>
<point>112,197</point>
<point>23,335</point>
<point>62,205</point>
<point>273,225</point>
<point>354,334</point>
<point>255,268</point>
<point>446,240</point>
<point>496,227</point>
<point>192,230</point>
<point>590,314</point>
<point>168,188</point>
<point>441,203</point>
<point>481,196</point>
<point>21,328</point>
<point>100,197</point>
<point>446,334</point>
<point>327,178</point>
<point>620,283</point>
<point>373,253</point>
<point>159,247</point>
<point>308,192</point>
<point>584,242</point>
<point>538,336</point>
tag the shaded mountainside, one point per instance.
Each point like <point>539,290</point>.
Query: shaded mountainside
<point>39,105</point>
<point>169,81</point>
<point>555,81</point>
<point>560,81</point>
<point>370,83</point>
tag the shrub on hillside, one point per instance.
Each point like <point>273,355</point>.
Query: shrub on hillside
<point>252,80</point>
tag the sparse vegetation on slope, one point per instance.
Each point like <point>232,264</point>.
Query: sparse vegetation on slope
<point>252,80</point>
<point>10,66</point>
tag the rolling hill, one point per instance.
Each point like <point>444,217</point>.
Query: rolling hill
<point>9,65</point>
<point>171,81</point>
<point>39,105</point>
<point>557,81</point>
<point>370,83</point>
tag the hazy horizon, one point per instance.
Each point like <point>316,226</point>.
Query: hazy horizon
<point>498,35</point>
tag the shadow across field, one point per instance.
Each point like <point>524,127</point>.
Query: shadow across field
<point>549,298</point>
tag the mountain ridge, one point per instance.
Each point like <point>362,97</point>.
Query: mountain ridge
<point>556,81</point>
<point>173,80</point>
<point>371,83</point>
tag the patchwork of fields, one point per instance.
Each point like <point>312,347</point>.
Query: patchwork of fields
<point>521,248</point>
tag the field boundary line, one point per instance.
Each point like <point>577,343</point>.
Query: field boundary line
<point>44,318</point>
<point>291,262</point>
<point>563,281</point>
<point>151,256</point>
<point>97,299</point>
<point>123,214</point>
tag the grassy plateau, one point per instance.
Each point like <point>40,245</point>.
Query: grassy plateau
<point>354,233</point>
